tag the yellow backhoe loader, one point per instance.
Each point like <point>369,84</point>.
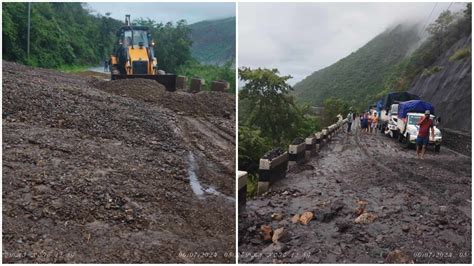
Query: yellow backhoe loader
<point>134,56</point>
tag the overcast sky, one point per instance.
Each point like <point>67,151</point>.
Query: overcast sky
<point>300,38</point>
<point>164,12</point>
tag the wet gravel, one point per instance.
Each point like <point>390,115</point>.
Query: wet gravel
<point>297,141</point>
<point>270,155</point>
<point>95,177</point>
<point>413,210</point>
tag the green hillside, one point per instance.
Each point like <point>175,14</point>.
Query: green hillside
<point>214,41</point>
<point>62,34</point>
<point>360,76</point>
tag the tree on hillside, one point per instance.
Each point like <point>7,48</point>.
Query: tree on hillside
<point>272,109</point>
<point>333,107</point>
<point>172,43</point>
<point>252,146</point>
<point>61,34</point>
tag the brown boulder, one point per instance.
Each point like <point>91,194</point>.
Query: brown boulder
<point>280,235</point>
<point>267,232</point>
<point>398,256</point>
<point>306,217</point>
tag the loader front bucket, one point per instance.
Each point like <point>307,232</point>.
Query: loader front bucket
<point>167,80</point>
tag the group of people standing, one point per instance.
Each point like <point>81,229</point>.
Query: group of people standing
<point>368,121</point>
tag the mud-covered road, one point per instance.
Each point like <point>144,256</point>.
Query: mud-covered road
<point>115,171</point>
<point>408,210</point>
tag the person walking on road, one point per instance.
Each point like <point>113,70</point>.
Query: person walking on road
<point>349,120</point>
<point>375,121</point>
<point>364,122</point>
<point>106,65</point>
<point>423,137</point>
<point>369,123</point>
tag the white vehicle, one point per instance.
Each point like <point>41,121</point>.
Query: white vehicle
<point>408,131</point>
<point>392,117</point>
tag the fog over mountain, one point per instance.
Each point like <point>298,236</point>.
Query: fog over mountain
<point>300,38</point>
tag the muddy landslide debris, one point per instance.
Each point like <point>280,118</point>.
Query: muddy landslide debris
<point>92,176</point>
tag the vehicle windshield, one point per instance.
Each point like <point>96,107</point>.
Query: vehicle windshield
<point>138,36</point>
<point>413,119</point>
<point>394,109</point>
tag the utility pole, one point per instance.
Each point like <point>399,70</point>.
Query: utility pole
<point>28,38</point>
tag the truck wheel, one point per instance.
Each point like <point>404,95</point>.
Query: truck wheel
<point>437,148</point>
<point>398,136</point>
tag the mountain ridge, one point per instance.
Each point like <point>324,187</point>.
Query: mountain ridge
<point>214,41</point>
<point>358,77</point>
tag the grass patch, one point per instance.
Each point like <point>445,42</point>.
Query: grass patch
<point>431,71</point>
<point>252,185</point>
<point>73,68</point>
<point>209,73</point>
<point>460,54</point>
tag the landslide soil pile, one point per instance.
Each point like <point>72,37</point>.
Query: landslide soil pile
<point>202,103</point>
<point>93,177</point>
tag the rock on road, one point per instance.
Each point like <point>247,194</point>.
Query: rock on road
<point>420,209</point>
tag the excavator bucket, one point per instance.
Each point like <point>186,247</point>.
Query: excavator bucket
<point>167,80</point>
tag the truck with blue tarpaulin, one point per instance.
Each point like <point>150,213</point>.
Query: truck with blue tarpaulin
<point>408,115</point>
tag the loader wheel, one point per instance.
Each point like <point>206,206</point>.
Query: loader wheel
<point>437,148</point>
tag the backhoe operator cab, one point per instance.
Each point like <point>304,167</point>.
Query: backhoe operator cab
<point>134,56</point>
<point>136,51</point>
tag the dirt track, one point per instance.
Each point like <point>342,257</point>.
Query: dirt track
<point>422,208</point>
<point>90,176</point>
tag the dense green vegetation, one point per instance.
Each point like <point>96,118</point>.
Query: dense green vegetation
<point>61,34</point>
<point>172,43</point>
<point>214,41</point>
<point>359,76</point>
<point>209,73</point>
<point>66,36</point>
<point>268,117</point>
<point>332,108</point>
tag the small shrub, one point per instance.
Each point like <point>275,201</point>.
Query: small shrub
<point>431,71</point>
<point>460,54</point>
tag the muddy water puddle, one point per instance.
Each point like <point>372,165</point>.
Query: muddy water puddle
<point>200,191</point>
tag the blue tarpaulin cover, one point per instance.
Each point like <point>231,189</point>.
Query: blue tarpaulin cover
<point>414,106</point>
<point>395,97</point>
<point>379,105</point>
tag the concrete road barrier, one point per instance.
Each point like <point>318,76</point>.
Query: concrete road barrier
<point>297,154</point>
<point>218,85</point>
<point>181,82</point>
<point>196,85</point>
<point>319,142</point>
<point>325,135</point>
<point>242,188</point>
<point>271,171</point>
<point>310,147</point>
<point>330,131</point>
